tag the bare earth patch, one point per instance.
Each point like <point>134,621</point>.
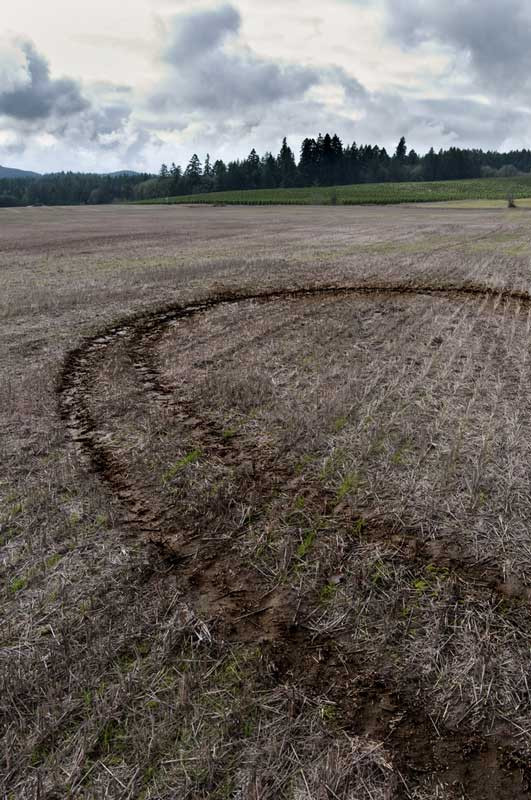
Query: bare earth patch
<point>264,520</point>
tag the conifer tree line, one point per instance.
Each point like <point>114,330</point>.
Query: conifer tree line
<point>70,188</point>
<point>322,161</point>
<point>326,161</point>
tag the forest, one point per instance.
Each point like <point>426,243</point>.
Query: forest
<point>70,188</point>
<point>325,161</point>
<point>322,161</point>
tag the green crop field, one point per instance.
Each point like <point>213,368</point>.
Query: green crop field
<point>485,189</point>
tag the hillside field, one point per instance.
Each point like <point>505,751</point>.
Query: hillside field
<point>265,503</point>
<point>485,189</point>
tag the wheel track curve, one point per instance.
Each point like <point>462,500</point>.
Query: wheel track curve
<point>141,334</point>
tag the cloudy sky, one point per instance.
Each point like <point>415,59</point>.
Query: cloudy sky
<point>111,84</point>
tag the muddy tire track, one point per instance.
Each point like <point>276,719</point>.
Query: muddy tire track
<point>235,599</point>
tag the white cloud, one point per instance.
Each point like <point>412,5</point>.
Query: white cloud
<point>14,72</point>
<point>159,79</point>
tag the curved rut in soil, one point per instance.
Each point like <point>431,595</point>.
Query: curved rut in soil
<point>237,599</point>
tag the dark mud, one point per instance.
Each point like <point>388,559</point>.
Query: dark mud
<point>238,604</point>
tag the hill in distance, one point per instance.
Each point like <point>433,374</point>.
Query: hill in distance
<point>8,172</point>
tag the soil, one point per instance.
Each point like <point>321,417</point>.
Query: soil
<point>225,590</point>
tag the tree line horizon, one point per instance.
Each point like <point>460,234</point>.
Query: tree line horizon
<point>323,161</point>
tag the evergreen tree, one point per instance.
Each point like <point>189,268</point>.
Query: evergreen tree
<point>286,165</point>
<point>269,172</point>
<point>193,173</point>
<point>329,159</point>
<point>235,175</point>
<point>430,165</point>
<point>309,163</point>
<point>176,175</point>
<point>352,163</point>
<point>401,150</point>
<point>337,160</point>
<point>397,168</point>
<point>220,175</point>
<point>253,170</point>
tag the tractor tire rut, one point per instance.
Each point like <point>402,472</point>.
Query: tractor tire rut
<point>234,598</point>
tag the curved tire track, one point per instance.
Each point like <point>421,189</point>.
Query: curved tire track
<point>142,332</point>
<point>270,622</point>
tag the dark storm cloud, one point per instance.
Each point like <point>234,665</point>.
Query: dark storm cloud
<point>494,35</point>
<point>39,96</point>
<point>193,35</point>
<point>96,125</point>
<point>354,90</point>
<point>472,122</point>
<point>206,74</point>
<point>32,102</point>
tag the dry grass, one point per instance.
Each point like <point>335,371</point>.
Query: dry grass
<point>357,463</point>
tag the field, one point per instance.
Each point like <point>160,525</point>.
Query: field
<point>485,189</point>
<point>264,504</point>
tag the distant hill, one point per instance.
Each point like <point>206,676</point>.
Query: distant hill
<point>8,172</point>
<point>68,188</point>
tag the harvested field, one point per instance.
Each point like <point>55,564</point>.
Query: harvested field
<point>265,509</point>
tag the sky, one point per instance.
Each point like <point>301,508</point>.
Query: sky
<point>129,84</point>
